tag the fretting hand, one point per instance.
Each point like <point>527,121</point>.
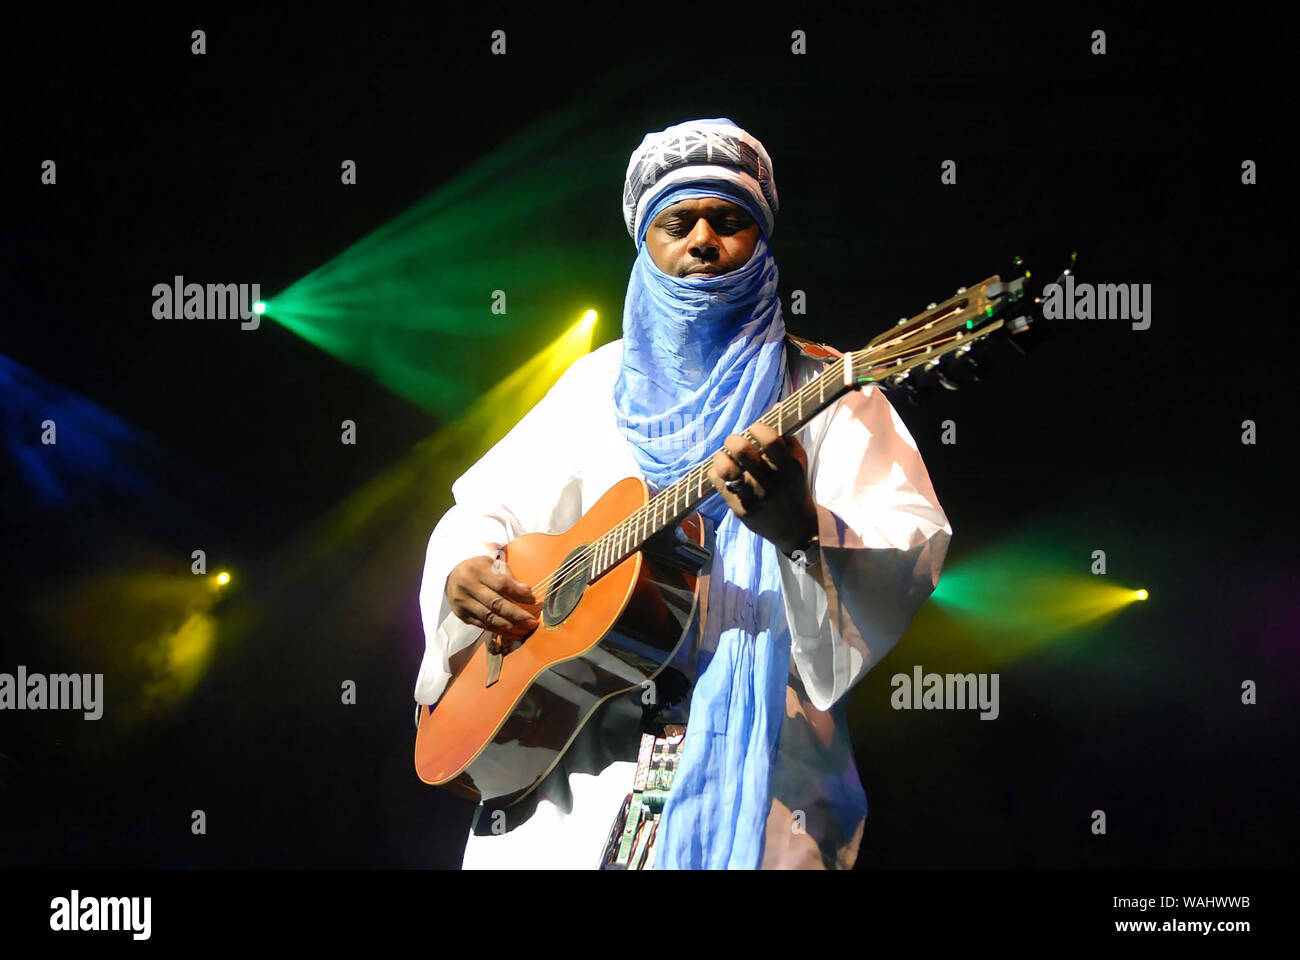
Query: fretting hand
<point>769,488</point>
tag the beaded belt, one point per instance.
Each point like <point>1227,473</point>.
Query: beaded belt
<point>631,844</point>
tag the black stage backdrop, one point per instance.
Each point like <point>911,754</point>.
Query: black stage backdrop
<point>226,166</point>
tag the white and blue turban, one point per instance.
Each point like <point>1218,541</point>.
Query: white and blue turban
<point>715,150</point>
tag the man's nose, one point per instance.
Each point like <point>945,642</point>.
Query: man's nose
<point>704,242</point>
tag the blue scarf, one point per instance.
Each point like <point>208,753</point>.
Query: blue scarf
<point>702,359</point>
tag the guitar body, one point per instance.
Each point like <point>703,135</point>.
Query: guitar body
<point>496,741</point>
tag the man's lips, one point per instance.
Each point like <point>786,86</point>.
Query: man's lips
<point>702,273</point>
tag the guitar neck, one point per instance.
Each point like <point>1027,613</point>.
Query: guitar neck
<point>668,506</point>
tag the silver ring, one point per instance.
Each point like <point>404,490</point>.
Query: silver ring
<point>735,486</point>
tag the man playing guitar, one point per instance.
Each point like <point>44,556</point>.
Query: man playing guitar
<point>824,545</point>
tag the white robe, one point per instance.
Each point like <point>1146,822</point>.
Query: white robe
<point>883,540</point>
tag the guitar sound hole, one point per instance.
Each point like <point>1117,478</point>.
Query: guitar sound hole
<point>563,595</point>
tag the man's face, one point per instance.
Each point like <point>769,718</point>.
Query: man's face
<point>702,238</point>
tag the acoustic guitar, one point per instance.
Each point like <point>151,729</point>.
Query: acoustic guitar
<point>624,589</point>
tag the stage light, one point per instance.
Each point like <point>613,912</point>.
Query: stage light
<point>223,578</point>
<point>418,485</point>
<point>482,267</point>
<point>259,307</point>
<point>1024,594</point>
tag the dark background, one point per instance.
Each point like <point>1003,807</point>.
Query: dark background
<point>225,166</point>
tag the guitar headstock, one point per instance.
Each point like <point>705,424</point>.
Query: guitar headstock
<point>948,343</point>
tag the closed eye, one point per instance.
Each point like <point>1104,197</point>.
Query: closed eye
<point>729,225</point>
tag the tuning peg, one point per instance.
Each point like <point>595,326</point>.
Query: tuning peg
<point>965,366</point>
<point>1025,334</point>
<point>925,377</point>
<point>908,383</point>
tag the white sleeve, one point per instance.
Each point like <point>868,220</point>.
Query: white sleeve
<point>883,539</point>
<point>529,482</point>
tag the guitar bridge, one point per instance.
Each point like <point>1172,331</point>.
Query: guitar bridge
<point>495,656</point>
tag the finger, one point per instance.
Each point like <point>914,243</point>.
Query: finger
<point>753,459</point>
<point>741,501</point>
<point>504,582</point>
<point>464,611</point>
<point>729,457</point>
<point>501,607</point>
<point>763,433</point>
<point>715,476</point>
<point>726,469</point>
<point>784,451</point>
<point>757,474</point>
<point>726,466</point>
<point>491,620</point>
<point>794,449</point>
<point>472,619</point>
<point>773,444</point>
